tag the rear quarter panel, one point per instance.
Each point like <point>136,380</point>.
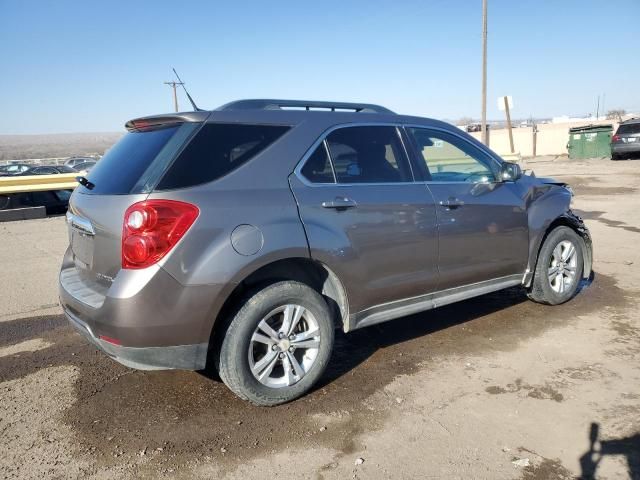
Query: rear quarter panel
<point>206,257</point>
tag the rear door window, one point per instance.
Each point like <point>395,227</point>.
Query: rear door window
<point>216,150</point>
<point>372,154</point>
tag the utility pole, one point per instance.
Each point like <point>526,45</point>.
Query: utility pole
<point>508,113</point>
<point>484,72</point>
<point>598,109</point>
<point>175,94</point>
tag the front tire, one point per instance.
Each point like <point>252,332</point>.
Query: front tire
<point>277,345</point>
<point>559,268</point>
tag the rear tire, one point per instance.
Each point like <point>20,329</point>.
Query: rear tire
<point>559,269</point>
<point>278,344</point>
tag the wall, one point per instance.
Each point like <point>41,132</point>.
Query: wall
<point>552,138</point>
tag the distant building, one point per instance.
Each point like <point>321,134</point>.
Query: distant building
<point>568,119</point>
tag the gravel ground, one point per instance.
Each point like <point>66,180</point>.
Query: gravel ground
<point>495,387</point>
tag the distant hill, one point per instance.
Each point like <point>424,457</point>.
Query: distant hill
<point>21,147</point>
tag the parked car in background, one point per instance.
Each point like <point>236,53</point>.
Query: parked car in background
<point>54,201</point>
<point>84,167</point>
<point>49,170</point>
<point>73,161</point>
<point>625,142</point>
<point>242,237</point>
<point>13,169</point>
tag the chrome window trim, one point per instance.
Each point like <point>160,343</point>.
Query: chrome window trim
<point>322,139</point>
<point>328,152</point>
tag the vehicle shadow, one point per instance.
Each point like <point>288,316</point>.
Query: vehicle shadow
<point>356,347</point>
<point>498,320</point>
<point>628,447</point>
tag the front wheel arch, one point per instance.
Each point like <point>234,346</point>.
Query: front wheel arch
<point>571,220</point>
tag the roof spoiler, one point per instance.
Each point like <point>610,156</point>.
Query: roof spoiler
<point>157,121</point>
<point>273,104</point>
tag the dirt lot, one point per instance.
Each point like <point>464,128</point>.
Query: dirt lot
<point>496,387</point>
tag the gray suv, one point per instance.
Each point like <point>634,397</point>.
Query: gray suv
<point>626,141</point>
<point>245,235</point>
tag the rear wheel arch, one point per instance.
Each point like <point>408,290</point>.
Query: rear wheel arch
<point>300,269</point>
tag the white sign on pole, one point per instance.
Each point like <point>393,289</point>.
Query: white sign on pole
<point>501,103</point>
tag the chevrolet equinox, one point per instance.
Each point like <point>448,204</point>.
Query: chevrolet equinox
<point>245,235</point>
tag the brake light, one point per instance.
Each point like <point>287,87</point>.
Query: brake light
<point>615,138</point>
<point>111,340</point>
<point>141,124</point>
<point>152,228</point>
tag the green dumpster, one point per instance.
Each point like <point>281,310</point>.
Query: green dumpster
<point>590,141</point>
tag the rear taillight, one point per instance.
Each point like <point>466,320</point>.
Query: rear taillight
<point>111,340</point>
<point>152,228</point>
<point>615,138</point>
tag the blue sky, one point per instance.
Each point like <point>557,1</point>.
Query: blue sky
<point>81,66</point>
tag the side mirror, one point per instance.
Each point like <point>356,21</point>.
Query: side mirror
<point>510,172</point>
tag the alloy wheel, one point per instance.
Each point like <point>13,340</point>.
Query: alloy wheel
<point>562,267</point>
<point>284,346</point>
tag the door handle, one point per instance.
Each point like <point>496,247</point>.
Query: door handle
<point>451,203</point>
<point>340,203</point>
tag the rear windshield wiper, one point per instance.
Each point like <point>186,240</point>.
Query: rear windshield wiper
<point>85,183</point>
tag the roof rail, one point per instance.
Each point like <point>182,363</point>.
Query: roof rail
<point>271,104</point>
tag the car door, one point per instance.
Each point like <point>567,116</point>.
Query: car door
<point>482,220</point>
<point>366,218</point>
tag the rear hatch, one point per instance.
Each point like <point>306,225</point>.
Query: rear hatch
<point>125,175</point>
<point>628,133</point>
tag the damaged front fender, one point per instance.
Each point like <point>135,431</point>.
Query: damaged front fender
<point>575,222</point>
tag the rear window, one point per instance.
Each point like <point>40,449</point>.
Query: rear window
<point>629,128</point>
<point>216,150</point>
<point>124,164</point>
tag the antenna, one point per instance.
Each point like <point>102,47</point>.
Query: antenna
<point>180,82</point>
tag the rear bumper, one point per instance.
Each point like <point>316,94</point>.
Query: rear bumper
<point>622,148</point>
<point>157,322</point>
<point>183,357</point>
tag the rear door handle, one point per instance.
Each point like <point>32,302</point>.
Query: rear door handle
<point>452,203</point>
<point>340,203</point>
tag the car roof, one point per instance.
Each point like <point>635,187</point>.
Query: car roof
<point>631,120</point>
<point>287,112</point>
